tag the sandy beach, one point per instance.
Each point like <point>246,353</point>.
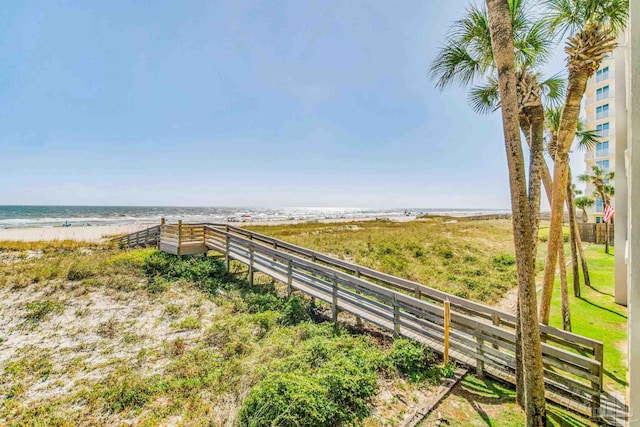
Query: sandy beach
<point>99,232</point>
<point>81,233</point>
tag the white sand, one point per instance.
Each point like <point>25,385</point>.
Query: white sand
<point>81,233</point>
<point>99,232</point>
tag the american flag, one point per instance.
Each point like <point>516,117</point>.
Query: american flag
<point>608,213</point>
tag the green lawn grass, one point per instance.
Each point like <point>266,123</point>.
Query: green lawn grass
<point>596,315</point>
<point>485,402</point>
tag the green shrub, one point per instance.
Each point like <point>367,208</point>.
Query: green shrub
<point>288,399</point>
<point>413,359</point>
<point>294,309</point>
<point>504,259</point>
<point>351,387</point>
<point>205,272</point>
<point>329,380</point>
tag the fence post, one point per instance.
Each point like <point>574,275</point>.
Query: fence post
<point>289,277</point>
<point>597,385</point>
<point>495,317</point>
<point>226,253</point>
<point>251,264</point>
<point>447,322</point>
<point>179,236</point>
<point>358,318</point>
<point>418,294</point>
<point>396,316</point>
<point>334,299</point>
<point>480,353</point>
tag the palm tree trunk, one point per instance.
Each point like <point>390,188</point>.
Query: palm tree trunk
<point>536,141</point>
<point>502,44</point>
<point>573,239</point>
<point>547,181</point>
<point>585,215</point>
<point>520,394</point>
<point>568,123</point>
<point>564,291</point>
<point>532,127</point>
<point>583,259</point>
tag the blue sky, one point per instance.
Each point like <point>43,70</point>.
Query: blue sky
<point>239,103</point>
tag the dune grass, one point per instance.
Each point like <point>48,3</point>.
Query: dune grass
<point>471,259</point>
<point>98,335</point>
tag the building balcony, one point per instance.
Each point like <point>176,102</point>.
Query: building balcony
<point>597,154</point>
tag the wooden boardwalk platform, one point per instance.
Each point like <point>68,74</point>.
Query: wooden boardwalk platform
<point>480,337</point>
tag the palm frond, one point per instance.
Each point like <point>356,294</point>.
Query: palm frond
<point>533,44</point>
<point>552,119</point>
<point>584,178</point>
<point>455,63</point>
<point>571,16</point>
<point>485,98</point>
<point>615,13</point>
<point>553,89</point>
<point>586,139</point>
<point>563,16</point>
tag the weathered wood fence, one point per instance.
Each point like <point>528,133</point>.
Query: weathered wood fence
<point>480,336</point>
<point>595,232</point>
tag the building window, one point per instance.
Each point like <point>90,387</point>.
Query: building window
<point>602,112</point>
<point>598,219</point>
<point>603,164</point>
<point>602,130</point>
<point>602,74</point>
<point>602,149</point>
<point>602,93</point>
<point>599,205</point>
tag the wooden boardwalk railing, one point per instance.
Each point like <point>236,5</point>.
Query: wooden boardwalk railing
<point>480,336</point>
<point>148,236</point>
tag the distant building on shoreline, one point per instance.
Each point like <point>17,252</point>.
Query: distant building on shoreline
<point>606,113</point>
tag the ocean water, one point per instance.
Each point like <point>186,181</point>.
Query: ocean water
<point>54,216</point>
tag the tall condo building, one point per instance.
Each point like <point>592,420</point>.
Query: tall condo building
<point>606,113</point>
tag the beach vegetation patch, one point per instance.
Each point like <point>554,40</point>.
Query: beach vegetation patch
<point>38,310</point>
<point>456,257</point>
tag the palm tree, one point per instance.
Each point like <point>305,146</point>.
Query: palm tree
<point>592,27</point>
<point>603,190</point>
<point>583,203</point>
<point>467,57</point>
<point>501,31</point>
<point>585,140</point>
